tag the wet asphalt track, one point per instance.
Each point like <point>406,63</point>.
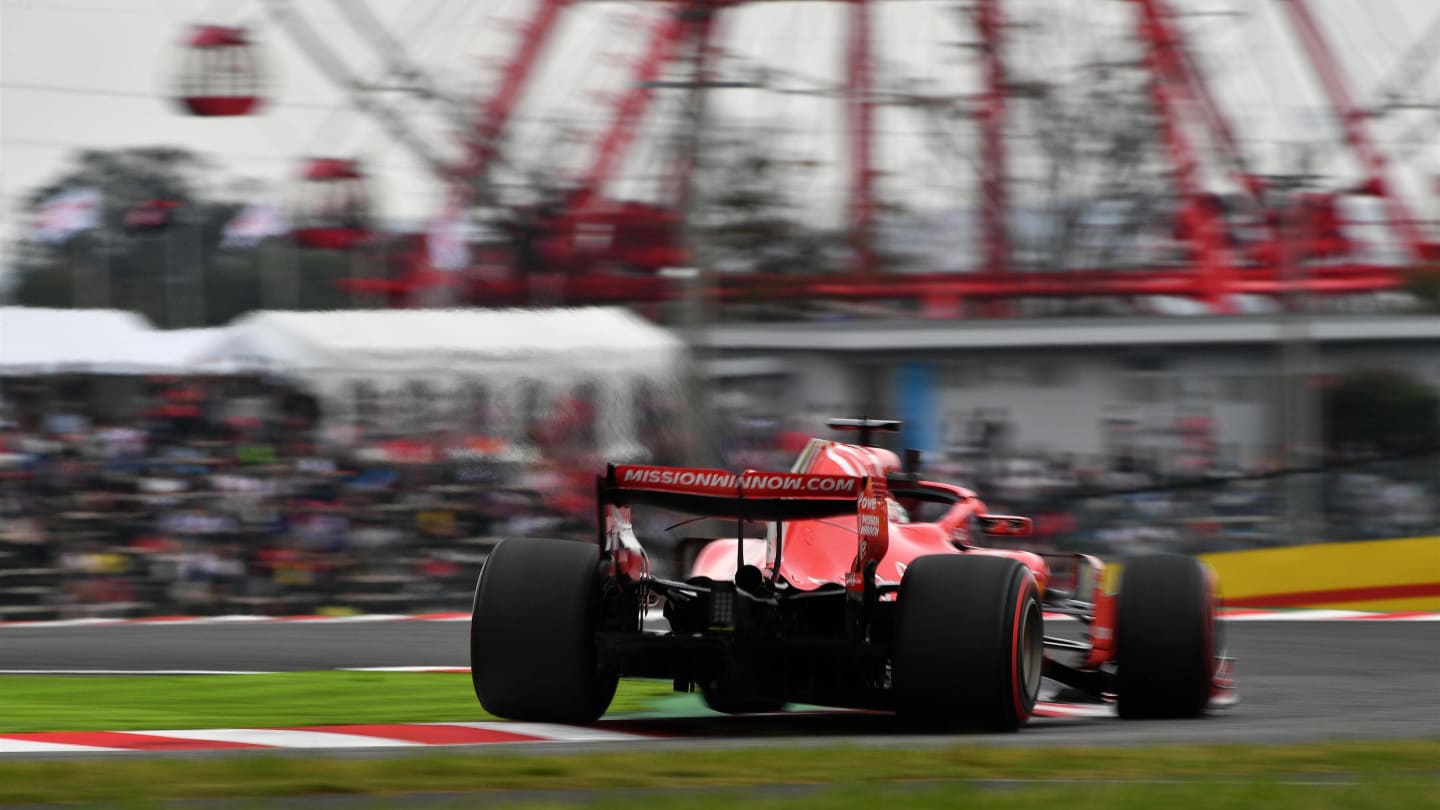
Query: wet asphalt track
<point>1299,682</point>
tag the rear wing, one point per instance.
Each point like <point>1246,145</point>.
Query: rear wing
<point>750,495</point>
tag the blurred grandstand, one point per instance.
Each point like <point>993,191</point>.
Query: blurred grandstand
<point>178,507</point>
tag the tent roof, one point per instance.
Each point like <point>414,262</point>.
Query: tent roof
<point>458,340</point>
<point>37,341</point>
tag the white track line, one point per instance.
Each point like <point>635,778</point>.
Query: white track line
<point>356,619</point>
<point>550,732</point>
<point>134,672</point>
<point>1301,616</point>
<point>62,623</point>
<point>9,746</point>
<point>455,667</point>
<point>283,738</point>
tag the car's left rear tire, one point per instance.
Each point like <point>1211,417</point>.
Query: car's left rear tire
<point>969,643</point>
<point>532,633</point>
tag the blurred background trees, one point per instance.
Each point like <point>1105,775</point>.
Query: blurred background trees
<point>157,249</point>
<point>1370,411</point>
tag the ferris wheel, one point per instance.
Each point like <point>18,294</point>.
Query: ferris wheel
<point>1082,153</point>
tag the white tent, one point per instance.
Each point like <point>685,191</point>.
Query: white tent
<point>97,341</point>
<point>451,341</point>
<point>429,359</point>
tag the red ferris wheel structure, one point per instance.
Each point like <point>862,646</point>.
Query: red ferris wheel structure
<point>1294,241</point>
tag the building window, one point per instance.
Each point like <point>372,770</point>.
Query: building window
<point>367,403</point>
<point>1047,373</point>
<point>531,410</point>
<point>1195,389</point>
<point>960,375</point>
<point>1144,388</point>
<point>1241,388</point>
<point>474,407</point>
<point>1148,361</point>
<point>420,405</point>
<point>1005,373</point>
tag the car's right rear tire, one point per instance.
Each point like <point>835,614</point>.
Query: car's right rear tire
<point>969,643</point>
<point>532,633</point>
<point>1165,637</point>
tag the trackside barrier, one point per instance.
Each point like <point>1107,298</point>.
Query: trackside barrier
<point>1379,575</point>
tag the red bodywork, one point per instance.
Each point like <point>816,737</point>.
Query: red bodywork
<point>820,552</point>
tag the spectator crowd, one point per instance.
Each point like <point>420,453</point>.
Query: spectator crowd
<point>173,512</point>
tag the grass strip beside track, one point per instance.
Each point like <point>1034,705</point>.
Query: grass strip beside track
<point>1385,775</point>
<point>1208,795</point>
<point>136,703</point>
<point>1199,796</point>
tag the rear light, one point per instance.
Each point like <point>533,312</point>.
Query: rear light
<point>722,606</point>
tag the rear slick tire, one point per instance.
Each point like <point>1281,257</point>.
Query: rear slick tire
<point>969,644</point>
<point>1165,638</point>
<point>532,633</point>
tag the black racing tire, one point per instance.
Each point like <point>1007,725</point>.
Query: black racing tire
<point>969,643</point>
<point>532,633</point>
<point>1165,637</point>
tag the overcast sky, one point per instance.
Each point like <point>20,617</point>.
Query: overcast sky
<point>97,73</point>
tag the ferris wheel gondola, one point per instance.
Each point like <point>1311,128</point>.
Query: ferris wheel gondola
<point>333,207</point>
<point>220,74</point>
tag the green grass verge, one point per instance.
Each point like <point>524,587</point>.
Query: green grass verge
<point>1212,795</point>
<point>1269,795</point>
<point>136,703</point>
<point>1410,794</point>
<point>1234,771</point>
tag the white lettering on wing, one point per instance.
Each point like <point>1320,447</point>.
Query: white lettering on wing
<point>773,482</point>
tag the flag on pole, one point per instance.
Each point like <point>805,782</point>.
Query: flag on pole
<point>447,240</point>
<point>155,214</point>
<point>66,214</point>
<point>254,224</point>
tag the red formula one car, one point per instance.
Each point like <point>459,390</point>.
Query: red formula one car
<point>846,601</point>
